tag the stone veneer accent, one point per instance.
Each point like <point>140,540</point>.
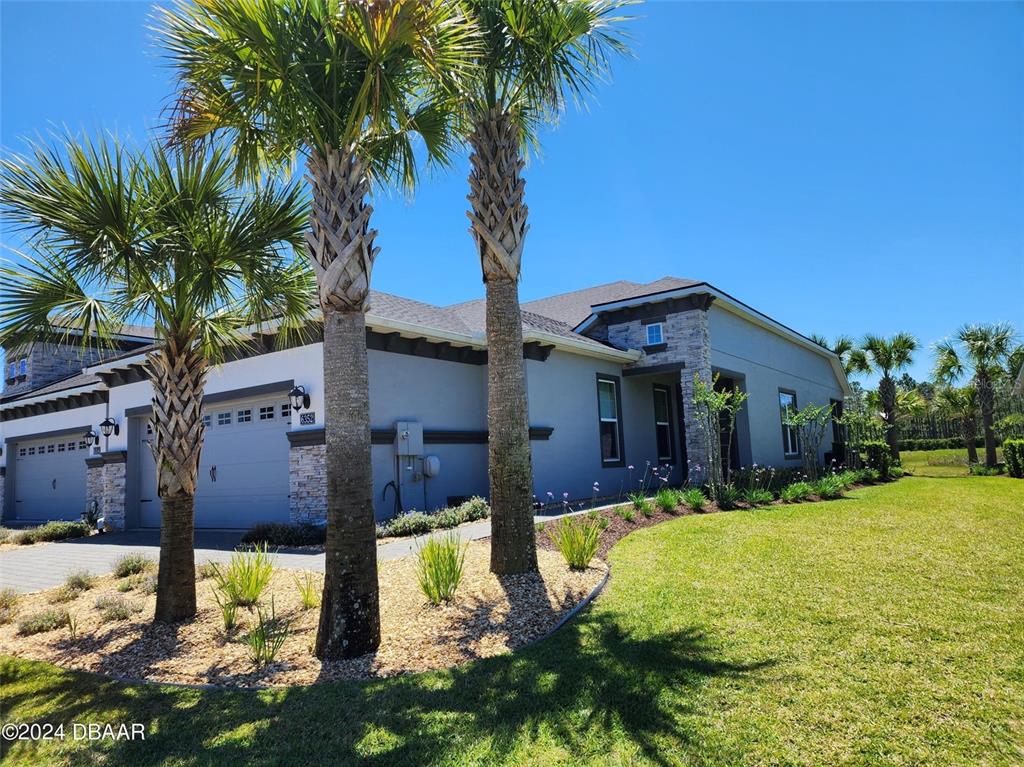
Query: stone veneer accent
<point>307,483</point>
<point>106,482</point>
<point>48,363</point>
<point>687,342</point>
<point>3,488</point>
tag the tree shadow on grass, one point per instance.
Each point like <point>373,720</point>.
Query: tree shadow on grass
<point>575,689</point>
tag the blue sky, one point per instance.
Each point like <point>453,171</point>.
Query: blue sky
<point>843,167</point>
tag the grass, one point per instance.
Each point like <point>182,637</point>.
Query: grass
<point>940,463</point>
<point>880,629</point>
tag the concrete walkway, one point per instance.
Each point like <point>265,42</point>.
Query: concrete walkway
<point>44,566</point>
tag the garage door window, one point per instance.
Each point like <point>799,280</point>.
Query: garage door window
<point>245,416</point>
<point>267,413</point>
<point>223,419</point>
<point>206,420</point>
<point>286,410</point>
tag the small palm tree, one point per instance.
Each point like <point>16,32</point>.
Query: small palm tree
<point>348,86</point>
<point>981,352</point>
<point>536,54</point>
<point>149,237</point>
<point>853,358</point>
<point>962,404</point>
<point>888,356</point>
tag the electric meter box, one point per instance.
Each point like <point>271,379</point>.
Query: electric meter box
<point>408,438</point>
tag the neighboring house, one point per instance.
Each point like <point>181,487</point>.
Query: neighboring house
<point>609,375</point>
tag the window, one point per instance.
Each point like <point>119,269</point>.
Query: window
<point>267,413</point>
<point>663,424</point>
<point>286,410</point>
<point>60,447</point>
<point>223,419</point>
<point>245,416</point>
<point>206,420</point>
<point>49,448</point>
<point>21,452</point>
<point>31,451</point>
<point>790,441</point>
<point>72,446</point>
<point>83,445</point>
<point>23,367</point>
<point>655,333</point>
<point>12,371</point>
<point>609,406</point>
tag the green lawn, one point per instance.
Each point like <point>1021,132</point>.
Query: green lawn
<point>939,463</point>
<point>882,629</point>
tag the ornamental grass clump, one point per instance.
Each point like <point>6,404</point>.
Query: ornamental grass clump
<point>829,486</point>
<point>47,620</point>
<point>309,590</point>
<point>267,636</point>
<point>695,498</point>
<point>578,540</point>
<point>115,608</point>
<point>625,512</point>
<point>728,496</point>
<point>667,500</point>
<point>132,564</point>
<point>246,577</point>
<point>796,491</point>
<point>439,565</point>
<point>758,496</point>
<point>8,605</point>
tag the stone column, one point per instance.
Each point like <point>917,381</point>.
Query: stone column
<point>693,348</point>
<point>307,476</point>
<point>115,465</point>
<point>3,489</point>
<point>94,481</point>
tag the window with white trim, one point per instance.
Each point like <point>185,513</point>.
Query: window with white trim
<point>245,416</point>
<point>207,420</point>
<point>21,452</point>
<point>286,410</point>
<point>609,420</point>
<point>60,447</point>
<point>267,413</point>
<point>663,424</point>
<point>223,419</point>
<point>49,448</point>
<point>72,446</point>
<point>790,438</point>
<point>655,333</point>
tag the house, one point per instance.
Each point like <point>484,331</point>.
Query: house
<point>609,374</point>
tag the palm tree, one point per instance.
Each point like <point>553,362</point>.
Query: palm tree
<point>983,352</point>
<point>127,236</point>
<point>962,404</point>
<point>347,85</point>
<point>888,356</point>
<point>536,54</point>
<point>852,358</point>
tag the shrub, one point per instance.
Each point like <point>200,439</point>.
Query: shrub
<point>694,498</point>
<point>419,523</point>
<point>1013,455</point>
<point>413,523</point>
<point>439,563</point>
<point>639,500</point>
<point>758,497</point>
<point>870,476</point>
<point>797,491</point>
<point>63,594</point>
<point>51,531</point>
<point>267,636</point>
<point>5,534</point>
<point>848,478</point>
<point>939,443</point>
<point>205,570</point>
<point>309,590</point>
<point>625,512</point>
<point>728,496</point>
<point>246,577</point>
<point>132,564</point>
<point>283,534</point>
<point>878,457</point>
<point>578,540</point>
<point>47,620</point>
<point>115,608</point>
<point>829,486</point>
<point>981,470</point>
<point>8,605</point>
<point>667,500</point>
<point>80,580</point>
<point>474,509</point>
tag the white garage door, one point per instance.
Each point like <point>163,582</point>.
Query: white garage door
<point>243,470</point>
<point>49,478</point>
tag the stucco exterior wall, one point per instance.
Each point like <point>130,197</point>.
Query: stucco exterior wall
<point>766,362</point>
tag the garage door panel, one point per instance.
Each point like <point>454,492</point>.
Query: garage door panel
<point>243,469</point>
<point>49,478</point>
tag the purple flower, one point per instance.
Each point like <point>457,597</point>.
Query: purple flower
<point>630,467</point>
<point>565,496</point>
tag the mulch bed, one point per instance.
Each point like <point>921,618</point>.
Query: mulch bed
<point>488,616</point>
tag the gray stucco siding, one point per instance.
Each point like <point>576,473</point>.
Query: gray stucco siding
<point>767,363</point>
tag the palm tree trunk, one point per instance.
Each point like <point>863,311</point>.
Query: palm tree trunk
<point>178,374</point>
<point>987,403</point>
<point>341,251</point>
<point>969,431</point>
<point>887,393</point>
<point>498,215</point>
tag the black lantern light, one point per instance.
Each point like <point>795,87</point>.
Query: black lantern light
<point>92,437</point>
<point>109,426</point>
<point>299,397</point>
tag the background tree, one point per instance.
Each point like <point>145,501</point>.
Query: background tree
<point>962,404</point>
<point>349,86</point>
<point>850,355</point>
<point>888,356</point>
<point>536,54</point>
<point>128,237</point>
<point>981,352</point>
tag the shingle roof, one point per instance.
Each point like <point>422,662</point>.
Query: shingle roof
<point>71,382</point>
<point>572,308</point>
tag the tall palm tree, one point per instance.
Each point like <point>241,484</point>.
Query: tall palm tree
<point>962,404</point>
<point>535,55</point>
<point>348,86</point>
<point>888,356</point>
<point>983,352</point>
<point>850,355</point>
<point>128,236</point>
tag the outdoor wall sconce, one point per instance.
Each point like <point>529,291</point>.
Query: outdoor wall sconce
<point>91,436</point>
<point>109,426</point>
<point>299,397</point>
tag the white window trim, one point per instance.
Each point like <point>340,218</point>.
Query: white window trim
<point>661,333</point>
<point>789,434</point>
